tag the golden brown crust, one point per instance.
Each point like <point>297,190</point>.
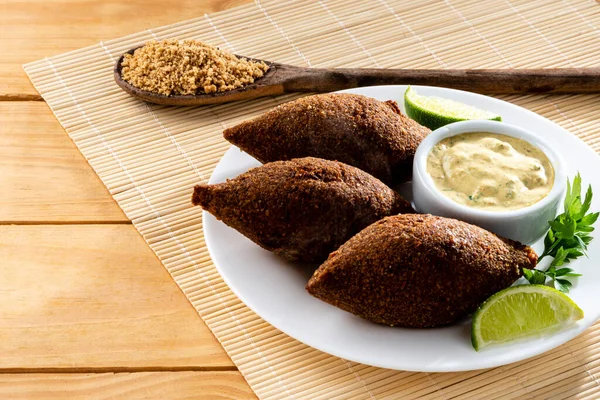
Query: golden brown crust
<point>357,130</point>
<point>301,209</point>
<point>419,270</point>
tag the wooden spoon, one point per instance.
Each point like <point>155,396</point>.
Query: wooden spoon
<point>282,78</point>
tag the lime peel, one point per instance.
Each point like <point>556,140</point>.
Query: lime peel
<point>435,112</point>
<point>522,311</point>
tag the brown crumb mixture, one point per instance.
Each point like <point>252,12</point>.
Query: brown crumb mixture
<point>189,67</point>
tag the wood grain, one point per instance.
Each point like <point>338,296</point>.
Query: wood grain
<point>86,297</point>
<point>131,386</point>
<point>36,29</point>
<point>94,296</point>
<point>43,177</point>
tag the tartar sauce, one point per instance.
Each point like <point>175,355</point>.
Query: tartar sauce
<point>490,171</point>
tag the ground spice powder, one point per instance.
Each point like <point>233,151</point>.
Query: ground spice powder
<point>189,67</point>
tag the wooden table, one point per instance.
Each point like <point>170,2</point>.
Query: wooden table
<point>86,309</point>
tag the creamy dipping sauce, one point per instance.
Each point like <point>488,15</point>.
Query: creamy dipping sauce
<point>490,171</point>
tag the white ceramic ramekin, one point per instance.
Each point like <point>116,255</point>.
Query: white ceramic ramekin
<point>525,225</point>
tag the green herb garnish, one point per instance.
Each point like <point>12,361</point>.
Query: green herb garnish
<point>567,239</point>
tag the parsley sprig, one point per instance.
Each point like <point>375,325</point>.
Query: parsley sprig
<point>567,239</point>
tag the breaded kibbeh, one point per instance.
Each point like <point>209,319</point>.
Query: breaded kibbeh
<point>300,209</point>
<point>357,130</point>
<point>419,271</point>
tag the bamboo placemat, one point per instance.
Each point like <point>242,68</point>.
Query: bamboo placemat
<point>150,157</point>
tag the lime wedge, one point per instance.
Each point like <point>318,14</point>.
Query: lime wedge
<point>522,311</point>
<point>434,112</point>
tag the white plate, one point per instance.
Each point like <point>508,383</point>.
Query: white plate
<point>274,289</point>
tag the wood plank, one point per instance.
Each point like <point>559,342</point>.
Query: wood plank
<point>94,296</point>
<point>131,386</point>
<point>43,177</point>
<point>35,29</point>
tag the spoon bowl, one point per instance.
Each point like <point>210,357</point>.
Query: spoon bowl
<point>261,87</point>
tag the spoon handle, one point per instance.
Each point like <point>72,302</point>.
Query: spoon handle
<point>486,81</point>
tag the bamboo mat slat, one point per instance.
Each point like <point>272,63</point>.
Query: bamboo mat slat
<point>150,157</point>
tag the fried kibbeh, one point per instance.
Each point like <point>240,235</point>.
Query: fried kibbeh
<point>300,209</point>
<point>357,130</point>
<point>419,271</point>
